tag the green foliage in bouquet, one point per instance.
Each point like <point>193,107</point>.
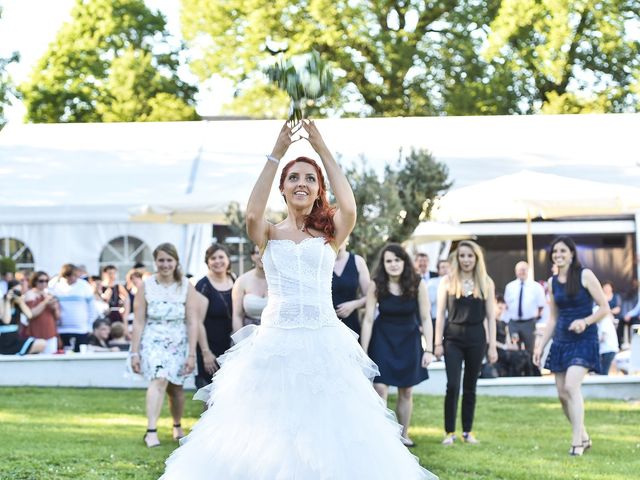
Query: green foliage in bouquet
<point>305,78</point>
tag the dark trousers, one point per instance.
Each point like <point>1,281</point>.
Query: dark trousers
<point>605,362</point>
<point>79,338</point>
<point>468,344</point>
<point>526,330</point>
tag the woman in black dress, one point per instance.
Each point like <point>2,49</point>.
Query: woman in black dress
<point>393,341</point>
<point>215,334</point>
<point>466,299</point>
<point>349,287</point>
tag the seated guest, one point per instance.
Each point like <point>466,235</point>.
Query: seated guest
<point>98,340</point>
<point>45,312</point>
<point>11,307</point>
<point>118,338</point>
<point>608,343</point>
<point>503,340</point>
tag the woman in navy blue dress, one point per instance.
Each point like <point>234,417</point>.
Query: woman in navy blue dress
<point>571,324</point>
<point>393,341</point>
<point>349,287</point>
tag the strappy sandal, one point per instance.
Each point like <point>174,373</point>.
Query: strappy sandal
<point>587,444</point>
<point>575,453</point>
<point>177,436</point>
<point>144,438</point>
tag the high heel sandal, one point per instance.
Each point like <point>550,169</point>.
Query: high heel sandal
<point>180,434</point>
<point>586,444</point>
<point>574,452</point>
<point>144,438</point>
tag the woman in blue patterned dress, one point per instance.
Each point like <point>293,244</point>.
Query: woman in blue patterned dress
<point>571,324</point>
<point>163,343</point>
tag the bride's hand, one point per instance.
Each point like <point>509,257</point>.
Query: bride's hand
<point>285,139</point>
<point>313,136</point>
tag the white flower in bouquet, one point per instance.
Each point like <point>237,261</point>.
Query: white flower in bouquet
<point>306,78</point>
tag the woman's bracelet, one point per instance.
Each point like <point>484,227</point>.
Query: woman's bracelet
<point>134,354</point>
<point>429,351</point>
<point>273,159</point>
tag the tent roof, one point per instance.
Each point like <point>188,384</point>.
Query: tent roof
<point>112,167</point>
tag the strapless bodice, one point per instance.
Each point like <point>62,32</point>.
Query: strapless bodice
<point>299,280</point>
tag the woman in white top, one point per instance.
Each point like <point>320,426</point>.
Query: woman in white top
<point>249,294</point>
<point>163,342</point>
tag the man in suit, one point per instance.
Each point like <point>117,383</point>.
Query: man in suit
<point>421,265</point>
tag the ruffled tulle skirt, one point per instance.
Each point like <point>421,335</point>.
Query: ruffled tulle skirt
<point>294,404</point>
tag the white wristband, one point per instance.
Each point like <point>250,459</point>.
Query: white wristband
<point>273,159</point>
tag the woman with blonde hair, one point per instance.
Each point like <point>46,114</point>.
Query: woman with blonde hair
<point>163,343</point>
<point>466,299</point>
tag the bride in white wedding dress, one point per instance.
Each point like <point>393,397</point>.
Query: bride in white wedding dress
<point>293,399</point>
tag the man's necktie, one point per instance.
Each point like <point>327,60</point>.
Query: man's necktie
<point>520,300</point>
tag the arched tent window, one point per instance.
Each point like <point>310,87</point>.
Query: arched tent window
<point>124,252</point>
<point>18,252</point>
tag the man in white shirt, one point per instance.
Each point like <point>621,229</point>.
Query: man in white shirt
<point>525,301</point>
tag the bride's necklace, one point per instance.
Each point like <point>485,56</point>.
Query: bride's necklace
<point>467,286</point>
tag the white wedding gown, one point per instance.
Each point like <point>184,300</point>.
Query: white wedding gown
<point>293,399</point>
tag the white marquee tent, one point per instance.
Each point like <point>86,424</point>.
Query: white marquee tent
<point>68,190</point>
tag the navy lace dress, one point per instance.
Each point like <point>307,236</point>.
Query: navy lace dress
<point>570,348</point>
<point>396,342</point>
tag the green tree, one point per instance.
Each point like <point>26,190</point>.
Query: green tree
<point>112,62</point>
<point>6,86</point>
<point>569,56</point>
<point>391,207</point>
<point>386,54</point>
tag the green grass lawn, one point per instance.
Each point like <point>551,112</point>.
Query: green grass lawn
<point>56,433</point>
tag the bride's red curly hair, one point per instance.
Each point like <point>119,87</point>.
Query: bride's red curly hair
<point>321,216</point>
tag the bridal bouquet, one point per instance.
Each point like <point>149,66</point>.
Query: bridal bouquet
<point>306,78</point>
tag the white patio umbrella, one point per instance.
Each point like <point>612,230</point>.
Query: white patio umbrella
<point>527,195</point>
<point>181,213</point>
<point>439,232</point>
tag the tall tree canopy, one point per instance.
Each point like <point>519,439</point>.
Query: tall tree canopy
<point>111,62</point>
<point>412,57</point>
<point>6,86</point>
<point>570,56</point>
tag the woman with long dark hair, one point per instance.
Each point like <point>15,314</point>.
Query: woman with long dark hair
<point>393,340</point>
<point>293,397</point>
<point>465,299</point>
<point>575,349</point>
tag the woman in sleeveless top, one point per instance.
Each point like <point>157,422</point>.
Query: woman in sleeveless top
<point>394,340</point>
<point>571,324</point>
<point>214,336</point>
<point>163,343</point>
<point>349,287</point>
<point>466,299</point>
<point>293,399</point>
<point>249,294</point>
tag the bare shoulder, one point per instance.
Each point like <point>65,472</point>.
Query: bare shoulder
<point>587,277</point>
<point>360,263</point>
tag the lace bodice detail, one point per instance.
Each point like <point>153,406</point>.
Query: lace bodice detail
<point>165,303</point>
<point>299,279</point>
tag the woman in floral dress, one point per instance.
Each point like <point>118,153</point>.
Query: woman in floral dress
<point>163,344</point>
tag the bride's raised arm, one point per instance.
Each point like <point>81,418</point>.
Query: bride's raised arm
<point>257,226</point>
<point>345,217</point>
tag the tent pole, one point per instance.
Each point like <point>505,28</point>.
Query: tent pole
<point>530,247</point>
